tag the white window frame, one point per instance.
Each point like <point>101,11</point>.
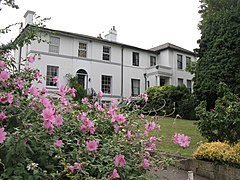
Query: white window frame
<point>153,61</point>
<point>106,55</point>
<point>106,84</point>
<point>179,61</point>
<point>180,82</point>
<point>52,71</point>
<point>54,44</point>
<point>135,88</point>
<point>82,49</point>
<point>135,59</point>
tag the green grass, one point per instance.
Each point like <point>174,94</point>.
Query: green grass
<point>169,126</point>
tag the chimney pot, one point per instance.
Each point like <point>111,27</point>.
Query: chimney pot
<point>29,17</point>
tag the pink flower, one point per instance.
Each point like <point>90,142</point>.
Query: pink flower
<point>31,59</point>
<point>92,129</point>
<point>121,119</point>
<point>45,102</point>
<point>119,160</point>
<point>2,116</point>
<point>145,163</point>
<point>19,83</point>
<point>92,145</point>
<point>2,65</point>
<point>116,129</point>
<point>150,126</point>
<point>44,90</point>
<point>55,80</point>
<point>72,92</point>
<point>58,120</point>
<point>100,94</point>
<point>77,166</point>
<point>141,115</point>
<point>71,168</point>
<point>62,90</point>
<point>37,74</point>
<point>4,76</point>
<point>129,133</point>
<point>2,135</point>
<point>10,98</point>
<point>58,143</point>
<point>48,114</point>
<point>84,128</point>
<point>115,174</point>
<point>34,91</point>
<point>82,116</point>
<point>181,139</point>
<point>85,100</point>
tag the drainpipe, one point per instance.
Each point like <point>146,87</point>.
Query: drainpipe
<point>19,59</point>
<point>122,72</point>
<point>145,80</point>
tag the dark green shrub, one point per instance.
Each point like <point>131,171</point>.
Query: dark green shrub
<point>223,122</point>
<point>173,100</point>
<point>80,92</point>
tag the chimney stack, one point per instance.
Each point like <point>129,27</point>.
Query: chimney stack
<point>112,35</point>
<point>29,17</point>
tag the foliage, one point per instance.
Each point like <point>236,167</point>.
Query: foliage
<point>220,152</point>
<point>80,91</point>
<point>174,100</point>
<point>221,123</point>
<point>218,53</point>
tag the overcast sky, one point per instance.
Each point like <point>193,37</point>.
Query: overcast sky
<point>140,23</point>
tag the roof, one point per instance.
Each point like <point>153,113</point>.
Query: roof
<point>171,46</point>
<point>155,50</point>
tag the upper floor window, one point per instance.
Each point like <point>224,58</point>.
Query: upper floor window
<point>135,87</point>
<point>52,71</point>
<point>82,50</point>
<point>135,59</point>
<point>54,44</point>
<point>188,61</point>
<point>106,84</point>
<point>179,62</point>
<point>153,61</point>
<point>106,53</point>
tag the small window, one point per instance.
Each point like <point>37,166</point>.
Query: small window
<point>180,81</point>
<point>106,53</point>
<point>135,87</point>
<point>188,61</point>
<point>135,59</point>
<point>106,84</point>
<point>153,61</point>
<point>82,50</point>
<point>54,44</point>
<point>52,71</point>
<point>189,85</point>
<point>179,62</point>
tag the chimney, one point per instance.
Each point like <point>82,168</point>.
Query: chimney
<point>112,35</point>
<point>29,17</point>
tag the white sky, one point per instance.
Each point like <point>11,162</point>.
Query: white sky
<point>140,23</point>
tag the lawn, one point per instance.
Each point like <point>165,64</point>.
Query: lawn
<point>169,126</point>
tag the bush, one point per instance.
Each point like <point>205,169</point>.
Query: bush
<point>173,100</point>
<point>223,122</point>
<point>219,152</point>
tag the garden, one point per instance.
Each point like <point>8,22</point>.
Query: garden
<point>70,136</point>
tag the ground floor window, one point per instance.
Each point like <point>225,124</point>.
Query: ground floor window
<point>52,71</point>
<point>135,87</point>
<point>106,84</point>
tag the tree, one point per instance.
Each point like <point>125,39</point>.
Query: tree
<point>219,49</point>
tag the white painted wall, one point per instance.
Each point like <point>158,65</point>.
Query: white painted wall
<point>68,62</point>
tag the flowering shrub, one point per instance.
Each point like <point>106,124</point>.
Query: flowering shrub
<point>219,152</point>
<point>42,137</point>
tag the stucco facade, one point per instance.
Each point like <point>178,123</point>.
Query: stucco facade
<point>104,63</point>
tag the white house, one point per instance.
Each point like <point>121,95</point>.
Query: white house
<point>119,70</point>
